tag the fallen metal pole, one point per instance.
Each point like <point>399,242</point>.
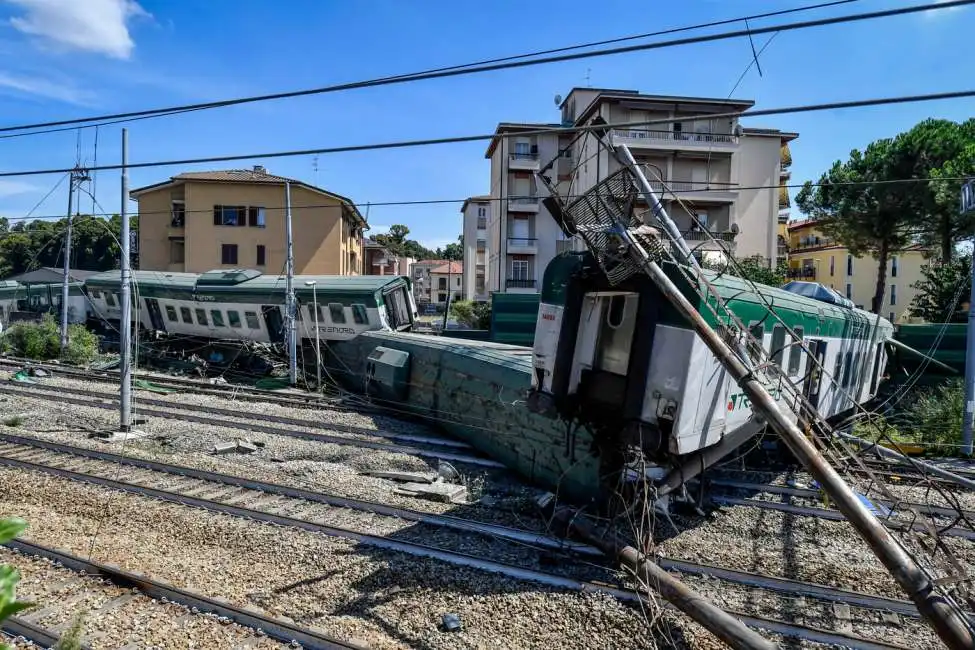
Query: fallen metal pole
<point>952,628</point>
<point>918,353</point>
<point>717,621</point>
<point>699,461</point>
<point>891,454</point>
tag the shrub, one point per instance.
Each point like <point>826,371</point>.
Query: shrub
<point>476,315</point>
<point>13,421</point>
<point>42,341</point>
<point>937,415</point>
<point>10,576</point>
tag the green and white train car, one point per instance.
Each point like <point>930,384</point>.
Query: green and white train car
<point>247,305</point>
<point>621,360</point>
<point>41,298</point>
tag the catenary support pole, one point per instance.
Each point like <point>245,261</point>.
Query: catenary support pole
<point>290,291</point>
<point>723,625</point>
<point>951,627</point>
<point>966,437</point>
<point>125,327</point>
<point>66,279</point>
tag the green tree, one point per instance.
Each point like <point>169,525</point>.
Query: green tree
<point>942,289</point>
<point>452,251</point>
<point>857,206</point>
<point>94,242</point>
<point>939,150</point>
<point>396,243</point>
<point>10,576</point>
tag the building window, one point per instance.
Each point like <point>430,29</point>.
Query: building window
<point>481,212</point>
<point>177,251</point>
<point>849,265</point>
<point>260,255</point>
<point>832,265</point>
<point>702,219</point>
<point>458,281</point>
<point>337,311</point>
<point>186,314</point>
<point>217,317</point>
<point>233,318</point>
<point>228,253</point>
<point>481,244</point>
<point>849,291</point>
<point>255,217</point>
<point>442,284</point>
<point>893,267</point>
<point>178,214</point>
<point>519,269</point>
<point>252,321</point>
<point>201,317</point>
<point>171,314</point>
<point>482,223</point>
<point>229,215</point>
<point>893,295</point>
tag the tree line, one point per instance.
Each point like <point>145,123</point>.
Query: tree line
<point>898,194</point>
<point>29,245</point>
<point>396,242</point>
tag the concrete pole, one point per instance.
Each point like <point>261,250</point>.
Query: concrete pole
<point>290,291</point>
<point>67,265</point>
<point>125,347</point>
<point>966,438</point>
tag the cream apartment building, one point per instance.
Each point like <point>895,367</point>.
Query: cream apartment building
<point>199,221</point>
<point>727,175</point>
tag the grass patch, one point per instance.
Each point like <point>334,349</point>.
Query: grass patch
<point>13,421</point>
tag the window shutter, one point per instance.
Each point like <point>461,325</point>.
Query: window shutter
<point>242,216</point>
<point>252,217</point>
<point>216,215</point>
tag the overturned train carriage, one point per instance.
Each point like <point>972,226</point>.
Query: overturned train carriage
<point>247,305</point>
<point>29,301</point>
<point>620,362</point>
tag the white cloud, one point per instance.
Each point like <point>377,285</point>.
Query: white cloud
<point>45,88</point>
<point>99,26</point>
<point>11,188</point>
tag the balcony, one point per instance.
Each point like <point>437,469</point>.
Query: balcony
<point>805,273</point>
<point>518,283</point>
<point>522,246</point>
<point>812,243</point>
<point>523,204</point>
<point>692,190</point>
<point>670,140</point>
<point>523,161</point>
<point>700,235</point>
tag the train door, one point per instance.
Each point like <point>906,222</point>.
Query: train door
<point>155,315</point>
<point>814,374</point>
<point>274,322</point>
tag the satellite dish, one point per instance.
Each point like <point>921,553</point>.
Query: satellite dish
<point>558,99</point>
<point>738,131</point>
<point>735,229</point>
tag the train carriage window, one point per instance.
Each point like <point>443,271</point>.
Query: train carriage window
<point>795,354</point>
<point>778,343</point>
<point>337,311</point>
<point>757,330</point>
<point>837,371</point>
<point>186,314</point>
<point>201,317</point>
<point>252,322</point>
<point>233,318</point>
<point>96,294</point>
<point>360,315</point>
<point>171,314</point>
<point>217,316</point>
<point>847,369</point>
<point>319,314</point>
<point>110,299</point>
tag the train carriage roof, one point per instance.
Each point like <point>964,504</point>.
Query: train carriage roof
<point>250,284</point>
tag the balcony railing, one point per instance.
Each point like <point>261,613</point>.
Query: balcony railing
<point>523,156</point>
<point>813,242</point>
<point>807,272</point>
<point>516,283</point>
<point>700,235</point>
<point>524,200</point>
<point>687,186</point>
<point>481,223</point>
<point>521,241</point>
<point>677,136</point>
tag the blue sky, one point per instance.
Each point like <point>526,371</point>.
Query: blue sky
<point>71,58</point>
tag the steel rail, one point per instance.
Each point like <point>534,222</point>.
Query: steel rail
<point>40,636</point>
<point>832,515</point>
<point>811,493</point>
<point>252,617</point>
<point>780,627</point>
<point>444,521</point>
<point>741,577</point>
<point>257,428</point>
<point>278,419</point>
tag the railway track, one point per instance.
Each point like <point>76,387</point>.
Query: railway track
<point>188,412</point>
<point>104,591</point>
<point>91,466</point>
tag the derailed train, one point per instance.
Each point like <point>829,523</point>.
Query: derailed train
<point>617,380</point>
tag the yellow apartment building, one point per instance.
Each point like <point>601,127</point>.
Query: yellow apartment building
<point>814,257</point>
<point>198,221</point>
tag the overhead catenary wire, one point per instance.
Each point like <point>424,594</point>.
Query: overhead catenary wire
<point>562,130</point>
<point>465,70</point>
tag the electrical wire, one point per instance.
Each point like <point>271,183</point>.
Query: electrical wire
<point>561,130</point>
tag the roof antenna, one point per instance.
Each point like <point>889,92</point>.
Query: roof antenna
<point>588,80</point>
<point>314,166</point>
